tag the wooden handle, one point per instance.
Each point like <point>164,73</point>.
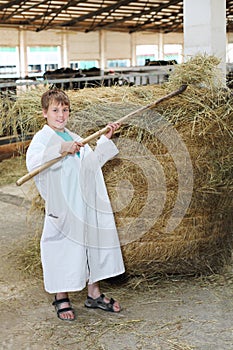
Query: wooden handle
<point>38,170</point>
<point>97,134</point>
<point>132,114</point>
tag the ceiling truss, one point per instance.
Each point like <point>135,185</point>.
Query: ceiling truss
<point>92,15</point>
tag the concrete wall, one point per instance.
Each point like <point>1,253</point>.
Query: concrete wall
<point>88,46</point>
<point>83,46</point>
<point>100,45</point>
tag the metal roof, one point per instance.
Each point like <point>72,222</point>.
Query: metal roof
<point>92,15</point>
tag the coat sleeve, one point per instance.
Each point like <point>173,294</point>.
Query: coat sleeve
<point>39,153</point>
<point>94,160</point>
<point>42,149</point>
<point>105,150</point>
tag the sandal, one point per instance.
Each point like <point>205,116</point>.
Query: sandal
<point>100,303</point>
<point>60,310</point>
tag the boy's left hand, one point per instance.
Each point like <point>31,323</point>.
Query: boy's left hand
<point>112,128</point>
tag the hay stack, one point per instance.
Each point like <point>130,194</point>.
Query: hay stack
<point>171,186</point>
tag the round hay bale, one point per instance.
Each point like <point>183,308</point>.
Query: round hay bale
<point>190,234</point>
<point>171,184</point>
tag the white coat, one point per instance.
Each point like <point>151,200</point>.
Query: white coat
<point>79,243</point>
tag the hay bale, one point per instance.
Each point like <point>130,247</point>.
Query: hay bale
<point>171,185</point>
<point>202,240</point>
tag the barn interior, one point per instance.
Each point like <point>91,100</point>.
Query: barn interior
<point>171,185</point>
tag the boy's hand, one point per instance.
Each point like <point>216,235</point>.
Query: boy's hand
<point>71,147</point>
<point>112,128</point>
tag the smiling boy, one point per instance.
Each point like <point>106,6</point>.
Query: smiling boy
<point>79,243</point>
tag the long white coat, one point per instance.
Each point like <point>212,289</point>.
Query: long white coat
<point>79,243</point>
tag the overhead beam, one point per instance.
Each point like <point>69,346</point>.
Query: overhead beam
<point>149,21</point>
<point>95,13</point>
<point>125,15</point>
<point>19,11</point>
<point>128,18</point>
<point>62,8</point>
<point>10,4</point>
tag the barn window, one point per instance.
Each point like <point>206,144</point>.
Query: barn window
<point>144,52</point>
<point>42,58</point>
<point>118,63</point>
<point>173,52</point>
<point>9,62</point>
<point>84,64</point>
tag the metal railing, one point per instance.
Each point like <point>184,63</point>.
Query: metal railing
<point>131,77</point>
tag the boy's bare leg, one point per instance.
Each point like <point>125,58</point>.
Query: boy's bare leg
<point>67,314</point>
<point>94,292</point>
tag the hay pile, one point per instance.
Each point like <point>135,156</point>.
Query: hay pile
<point>171,186</point>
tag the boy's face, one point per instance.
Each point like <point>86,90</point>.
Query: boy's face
<point>57,116</point>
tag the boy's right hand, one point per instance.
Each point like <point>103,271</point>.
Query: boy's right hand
<point>71,147</point>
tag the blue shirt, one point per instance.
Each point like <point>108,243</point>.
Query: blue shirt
<point>66,137</point>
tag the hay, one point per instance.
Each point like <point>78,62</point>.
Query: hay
<point>144,182</point>
<point>200,70</point>
<point>22,114</point>
<point>12,169</point>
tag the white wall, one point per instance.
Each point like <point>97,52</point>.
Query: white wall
<point>205,29</point>
<point>44,38</point>
<point>83,46</point>
<point>9,37</point>
<point>76,46</point>
<point>99,46</point>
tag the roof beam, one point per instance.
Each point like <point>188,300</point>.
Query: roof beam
<point>128,18</point>
<point>149,21</point>
<point>62,8</point>
<point>19,11</point>
<point>10,4</point>
<point>89,15</point>
<point>95,13</point>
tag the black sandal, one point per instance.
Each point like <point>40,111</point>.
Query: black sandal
<point>60,310</point>
<point>99,303</point>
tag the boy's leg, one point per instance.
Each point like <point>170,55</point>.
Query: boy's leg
<point>66,315</point>
<point>94,293</point>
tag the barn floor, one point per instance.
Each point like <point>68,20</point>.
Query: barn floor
<point>175,313</point>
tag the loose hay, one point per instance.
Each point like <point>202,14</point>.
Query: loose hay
<point>12,169</point>
<point>202,116</point>
<point>200,70</point>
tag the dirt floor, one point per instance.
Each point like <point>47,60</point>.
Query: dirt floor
<point>174,313</point>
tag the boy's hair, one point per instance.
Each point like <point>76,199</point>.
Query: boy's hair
<point>56,95</point>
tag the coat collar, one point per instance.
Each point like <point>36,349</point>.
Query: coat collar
<point>50,132</point>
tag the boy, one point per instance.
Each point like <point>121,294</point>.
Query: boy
<point>79,243</point>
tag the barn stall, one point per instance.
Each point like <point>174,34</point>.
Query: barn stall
<point>171,185</point>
